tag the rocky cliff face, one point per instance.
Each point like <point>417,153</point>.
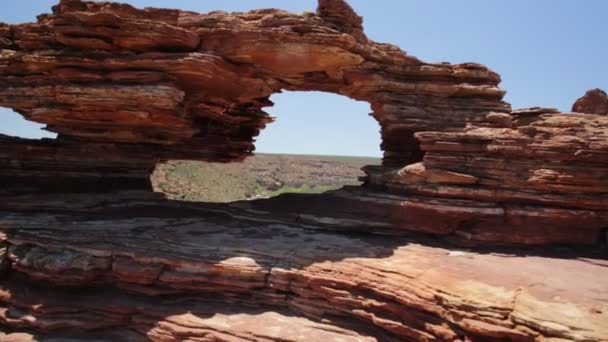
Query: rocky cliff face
<point>498,218</point>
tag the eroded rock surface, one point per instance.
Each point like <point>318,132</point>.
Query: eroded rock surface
<point>88,252</point>
<point>369,287</point>
<point>106,72</point>
<point>542,179</point>
<point>595,101</point>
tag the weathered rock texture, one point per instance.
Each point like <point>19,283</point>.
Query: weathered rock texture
<point>595,102</point>
<point>101,72</point>
<point>163,270</point>
<point>88,252</point>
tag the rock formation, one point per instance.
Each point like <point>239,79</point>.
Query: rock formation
<point>595,101</point>
<point>497,219</point>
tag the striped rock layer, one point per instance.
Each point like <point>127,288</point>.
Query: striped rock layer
<point>481,224</point>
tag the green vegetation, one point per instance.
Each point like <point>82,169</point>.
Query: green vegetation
<point>304,189</point>
<point>261,176</point>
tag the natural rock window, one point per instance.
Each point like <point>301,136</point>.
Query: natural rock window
<point>481,224</point>
<point>305,150</point>
<point>15,125</point>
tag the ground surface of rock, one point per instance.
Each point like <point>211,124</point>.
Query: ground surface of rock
<point>498,218</point>
<point>176,265</point>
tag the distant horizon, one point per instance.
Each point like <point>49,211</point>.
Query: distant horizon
<point>548,53</point>
<point>315,155</point>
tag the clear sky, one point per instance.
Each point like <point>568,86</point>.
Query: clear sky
<point>548,52</point>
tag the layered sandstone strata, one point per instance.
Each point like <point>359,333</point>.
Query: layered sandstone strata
<point>542,175</point>
<point>88,252</point>
<point>163,273</point>
<point>105,72</point>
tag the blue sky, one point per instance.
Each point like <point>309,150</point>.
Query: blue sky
<point>548,52</point>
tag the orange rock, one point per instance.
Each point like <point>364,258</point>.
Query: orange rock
<point>87,251</point>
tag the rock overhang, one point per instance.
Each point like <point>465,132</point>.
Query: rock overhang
<point>126,87</point>
<point>169,77</point>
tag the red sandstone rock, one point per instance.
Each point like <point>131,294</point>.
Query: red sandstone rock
<point>88,252</point>
<point>384,288</point>
<point>104,72</point>
<point>545,172</point>
<point>594,102</point>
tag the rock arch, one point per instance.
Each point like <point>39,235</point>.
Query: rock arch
<point>314,123</point>
<point>125,88</point>
<point>142,86</point>
<point>195,88</point>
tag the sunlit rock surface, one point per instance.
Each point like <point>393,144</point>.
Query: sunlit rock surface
<point>482,224</point>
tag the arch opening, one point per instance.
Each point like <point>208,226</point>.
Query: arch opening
<point>318,142</point>
<point>16,126</point>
